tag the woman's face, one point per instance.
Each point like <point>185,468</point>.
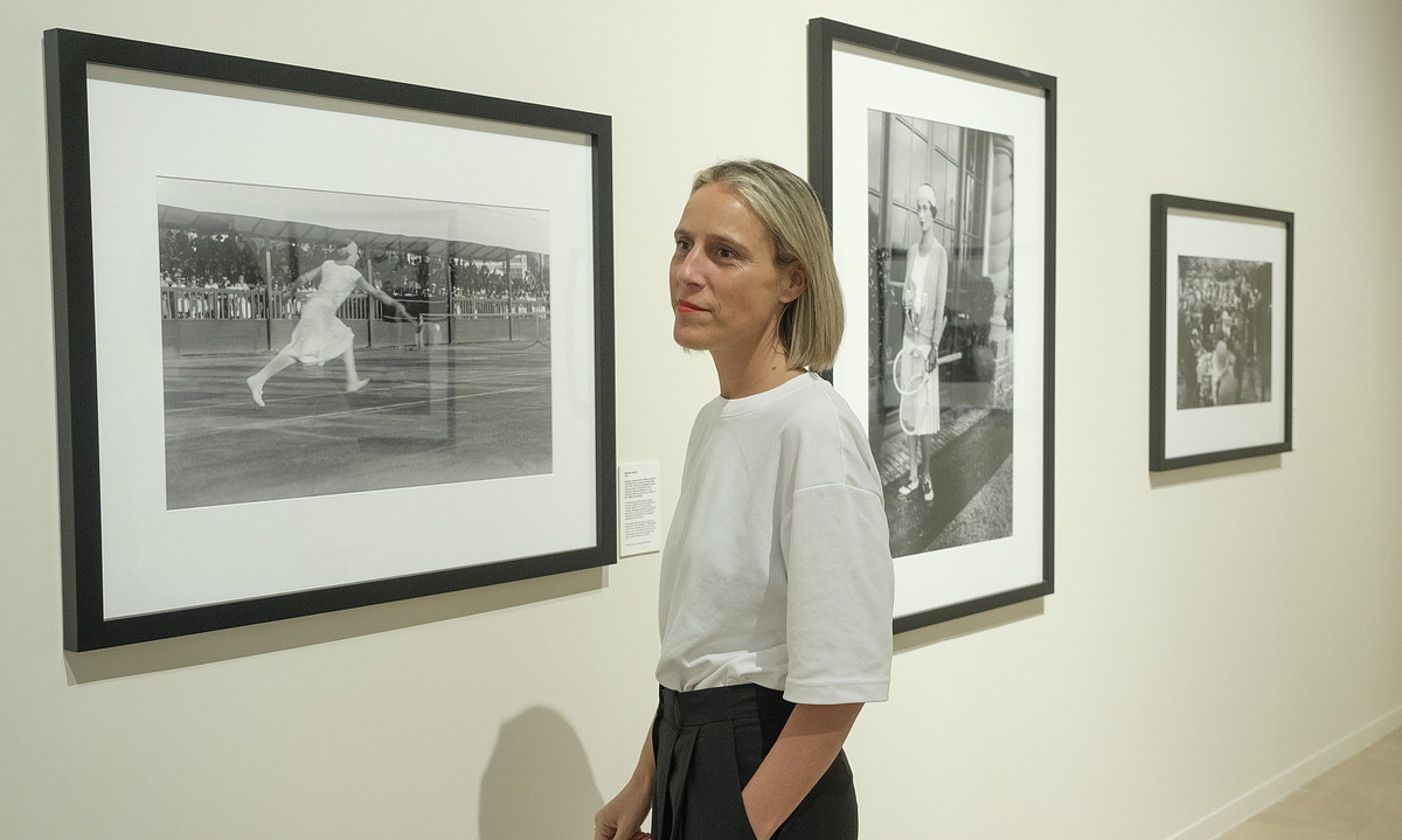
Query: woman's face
<point>726,290</point>
<point>925,211</point>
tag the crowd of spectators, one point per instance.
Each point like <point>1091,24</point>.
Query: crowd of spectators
<point>226,275</point>
<point>1224,316</point>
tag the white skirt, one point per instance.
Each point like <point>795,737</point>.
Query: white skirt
<point>319,335</point>
<point>920,411</point>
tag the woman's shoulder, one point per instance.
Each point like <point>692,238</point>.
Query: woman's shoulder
<point>805,407</point>
<point>818,403</point>
<point>820,414</point>
<point>823,430</point>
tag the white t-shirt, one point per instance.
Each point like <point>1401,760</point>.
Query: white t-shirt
<point>777,569</point>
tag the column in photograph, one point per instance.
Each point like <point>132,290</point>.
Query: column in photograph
<point>999,265</point>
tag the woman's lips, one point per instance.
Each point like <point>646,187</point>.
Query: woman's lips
<point>683,306</point>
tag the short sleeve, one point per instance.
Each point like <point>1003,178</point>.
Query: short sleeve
<point>840,596</point>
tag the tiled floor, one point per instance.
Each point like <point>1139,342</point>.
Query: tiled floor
<point>1360,799</point>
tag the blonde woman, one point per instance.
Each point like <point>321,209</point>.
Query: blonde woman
<point>776,582</point>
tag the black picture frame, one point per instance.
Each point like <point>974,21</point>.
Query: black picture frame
<point>580,141</point>
<point>937,584</point>
<point>1231,264</point>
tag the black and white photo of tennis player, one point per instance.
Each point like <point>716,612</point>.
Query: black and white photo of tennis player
<point>941,329</point>
<point>319,335</point>
<point>1224,332</point>
<point>422,329</point>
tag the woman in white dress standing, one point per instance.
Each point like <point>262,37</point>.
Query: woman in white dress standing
<point>926,282</point>
<point>319,335</point>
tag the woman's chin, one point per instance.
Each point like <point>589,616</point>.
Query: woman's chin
<point>689,339</point>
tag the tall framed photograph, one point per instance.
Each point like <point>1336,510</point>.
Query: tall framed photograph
<point>1221,278</point>
<point>322,340</point>
<point>938,172</point>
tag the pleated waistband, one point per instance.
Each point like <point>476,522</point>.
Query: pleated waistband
<point>729,702</point>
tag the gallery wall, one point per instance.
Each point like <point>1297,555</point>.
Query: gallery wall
<point>1218,635</point>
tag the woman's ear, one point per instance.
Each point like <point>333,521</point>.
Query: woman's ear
<point>795,282</point>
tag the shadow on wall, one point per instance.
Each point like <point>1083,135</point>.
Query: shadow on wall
<point>538,782</point>
<point>969,625</point>
<point>256,639</point>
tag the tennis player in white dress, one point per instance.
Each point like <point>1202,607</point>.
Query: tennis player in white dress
<point>319,335</point>
<point>926,284</point>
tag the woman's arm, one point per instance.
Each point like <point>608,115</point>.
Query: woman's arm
<point>804,751</point>
<point>913,294</point>
<point>622,818</point>
<point>383,296</point>
<point>938,278</point>
<point>939,265</point>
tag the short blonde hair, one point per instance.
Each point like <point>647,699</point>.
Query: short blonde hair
<point>810,327</point>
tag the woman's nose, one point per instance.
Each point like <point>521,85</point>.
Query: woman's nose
<point>688,269</point>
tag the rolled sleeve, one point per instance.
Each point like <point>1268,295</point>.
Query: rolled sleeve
<point>840,596</point>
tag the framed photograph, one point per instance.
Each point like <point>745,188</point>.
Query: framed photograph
<point>322,340</point>
<point>938,172</point>
<point>1219,331</point>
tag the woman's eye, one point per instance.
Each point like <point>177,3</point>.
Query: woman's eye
<point>725,253</point>
<point>683,246</point>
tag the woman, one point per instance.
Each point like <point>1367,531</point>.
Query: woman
<point>319,335</point>
<point>776,585</point>
<point>926,281</point>
<point>1224,385</point>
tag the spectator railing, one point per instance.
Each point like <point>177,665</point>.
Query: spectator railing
<point>226,304</point>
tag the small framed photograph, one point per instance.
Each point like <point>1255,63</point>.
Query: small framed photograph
<point>1219,331</point>
<point>937,170</point>
<point>322,340</point>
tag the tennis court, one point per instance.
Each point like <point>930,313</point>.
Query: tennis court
<point>430,416</point>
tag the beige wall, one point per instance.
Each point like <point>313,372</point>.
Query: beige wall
<point>1216,636</point>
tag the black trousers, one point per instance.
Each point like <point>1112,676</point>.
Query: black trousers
<point>708,743</point>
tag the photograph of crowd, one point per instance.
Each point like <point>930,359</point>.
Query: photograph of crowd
<point>223,274</point>
<point>940,303</point>
<point>1224,332</point>
<point>318,343</point>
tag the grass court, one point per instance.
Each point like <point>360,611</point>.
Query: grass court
<point>433,416</point>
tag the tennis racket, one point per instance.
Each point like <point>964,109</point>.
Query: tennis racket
<point>908,370</point>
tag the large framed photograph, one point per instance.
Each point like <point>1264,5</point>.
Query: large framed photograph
<point>937,170</point>
<point>1219,331</point>
<point>322,340</point>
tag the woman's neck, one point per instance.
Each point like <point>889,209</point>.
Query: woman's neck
<point>744,374</point>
